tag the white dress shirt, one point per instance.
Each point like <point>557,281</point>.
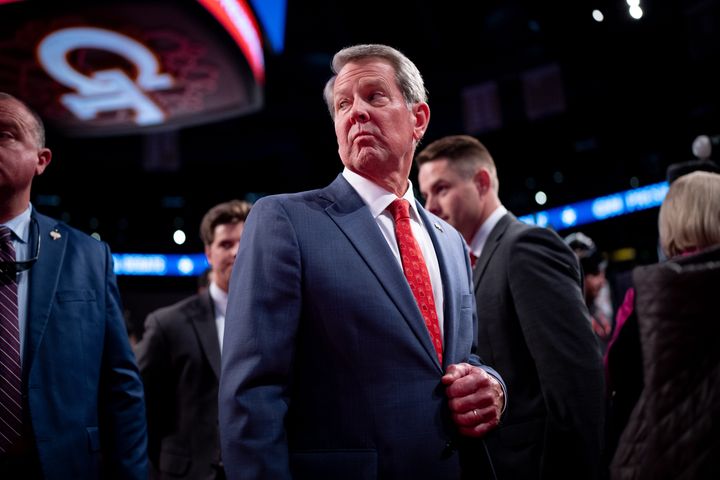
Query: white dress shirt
<point>378,199</point>
<point>220,300</point>
<point>481,236</point>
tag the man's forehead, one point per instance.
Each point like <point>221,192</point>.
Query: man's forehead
<point>13,112</point>
<point>366,71</point>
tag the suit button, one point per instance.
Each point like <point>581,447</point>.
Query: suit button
<point>448,450</point>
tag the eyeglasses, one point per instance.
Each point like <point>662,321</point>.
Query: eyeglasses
<point>23,265</point>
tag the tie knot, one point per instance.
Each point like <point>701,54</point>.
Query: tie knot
<point>399,208</point>
<point>473,259</point>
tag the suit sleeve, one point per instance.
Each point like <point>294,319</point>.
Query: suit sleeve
<point>545,284</point>
<point>261,323</point>
<point>153,358</point>
<point>122,408</point>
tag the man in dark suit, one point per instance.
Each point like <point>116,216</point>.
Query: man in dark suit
<point>334,365</point>
<point>533,323</point>
<point>77,408</point>
<point>179,359</point>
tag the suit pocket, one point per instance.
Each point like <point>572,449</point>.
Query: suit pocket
<point>64,296</point>
<point>521,435</point>
<point>174,460</point>
<point>334,465</point>
<point>93,439</point>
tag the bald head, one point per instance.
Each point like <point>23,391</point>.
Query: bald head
<point>36,124</point>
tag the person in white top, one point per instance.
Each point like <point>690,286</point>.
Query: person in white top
<point>179,359</point>
<point>533,325</point>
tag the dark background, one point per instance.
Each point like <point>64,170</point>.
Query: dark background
<point>627,99</point>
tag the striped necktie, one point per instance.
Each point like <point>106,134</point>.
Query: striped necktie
<point>10,370</point>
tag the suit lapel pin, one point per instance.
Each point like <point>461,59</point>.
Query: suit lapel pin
<point>55,235</point>
<point>437,225</point>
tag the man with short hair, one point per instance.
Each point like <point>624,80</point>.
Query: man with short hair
<point>350,331</point>
<point>179,359</point>
<point>71,398</point>
<point>533,325</point>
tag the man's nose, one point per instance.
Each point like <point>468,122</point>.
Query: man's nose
<point>432,205</point>
<point>359,112</point>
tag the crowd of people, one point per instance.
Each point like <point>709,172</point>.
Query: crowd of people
<point>355,332</point>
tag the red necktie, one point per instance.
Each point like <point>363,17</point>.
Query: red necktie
<point>416,271</point>
<point>10,371</point>
<point>473,259</point>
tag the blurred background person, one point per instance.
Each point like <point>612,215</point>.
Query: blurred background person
<point>596,287</point>
<point>532,320</point>
<point>179,358</point>
<point>623,356</point>
<point>71,399</point>
<point>671,428</point>
<point>204,279</point>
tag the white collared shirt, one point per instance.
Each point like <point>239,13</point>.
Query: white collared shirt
<point>378,199</point>
<point>481,236</point>
<point>220,300</point>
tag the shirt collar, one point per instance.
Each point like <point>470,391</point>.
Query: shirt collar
<point>375,196</point>
<point>20,225</point>
<point>220,298</point>
<point>481,236</point>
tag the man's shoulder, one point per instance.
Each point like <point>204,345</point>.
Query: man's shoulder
<point>517,229</point>
<point>186,306</point>
<point>57,229</point>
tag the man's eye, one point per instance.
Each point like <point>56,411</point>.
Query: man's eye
<point>342,105</point>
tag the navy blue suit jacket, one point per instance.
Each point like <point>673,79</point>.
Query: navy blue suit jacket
<point>328,370</point>
<point>84,395</point>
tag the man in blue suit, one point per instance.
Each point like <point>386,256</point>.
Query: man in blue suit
<point>328,369</point>
<point>81,413</point>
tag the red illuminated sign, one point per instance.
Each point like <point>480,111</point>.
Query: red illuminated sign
<point>128,67</point>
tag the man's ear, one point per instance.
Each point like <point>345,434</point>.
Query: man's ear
<point>44,158</point>
<point>482,180</point>
<point>422,119</point>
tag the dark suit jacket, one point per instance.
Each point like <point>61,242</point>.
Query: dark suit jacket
<point>84,394</point>
<point>534,328</point>
<point>328,371</point>
<point>179,359</point>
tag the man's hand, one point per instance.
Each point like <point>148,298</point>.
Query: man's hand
<point>475,398</point>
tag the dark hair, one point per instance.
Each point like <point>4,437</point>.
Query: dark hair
<point>234,211</point>
<point>591,260</point>
<point>465,153</point>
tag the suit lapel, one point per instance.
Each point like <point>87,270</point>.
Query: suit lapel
<point>490,245</point>
<point>203,320</point>
<point>43,283</point>
<point>353,218</point>
<point>439,240</point>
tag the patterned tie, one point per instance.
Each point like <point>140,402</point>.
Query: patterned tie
<point>473,259</point>
<point>10,371</point>
<point>416,271</point>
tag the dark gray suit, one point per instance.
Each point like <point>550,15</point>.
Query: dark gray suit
<point>534,328</point>
<point>179,359</point>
